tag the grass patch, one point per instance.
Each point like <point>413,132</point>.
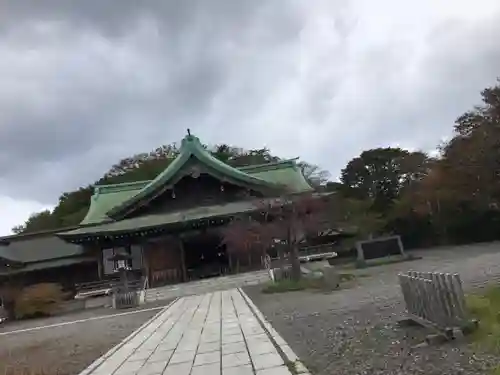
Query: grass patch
<point>485,307</point>
<point>304,283</point>
<point>286,285</point>
<point>291,367</point>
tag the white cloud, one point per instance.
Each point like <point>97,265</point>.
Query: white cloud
<point>14,212</point>
<point>319,79</point>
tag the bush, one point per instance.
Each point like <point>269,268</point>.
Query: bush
<point>38,300</point>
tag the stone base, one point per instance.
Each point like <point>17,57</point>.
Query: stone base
<point>331,277</point>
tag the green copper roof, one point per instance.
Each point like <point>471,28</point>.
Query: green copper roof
<point>108,196</point>
<point>37,248</point>
<point>53,263</point>
<point>190,147</point>
<point>285,173</point>
<point>110,199</point>
<point>156,220</point>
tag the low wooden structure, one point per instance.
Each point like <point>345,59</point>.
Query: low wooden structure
<point>436,300</point>
<point>128,294</point>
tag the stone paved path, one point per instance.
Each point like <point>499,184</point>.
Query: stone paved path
<point>215,333</point>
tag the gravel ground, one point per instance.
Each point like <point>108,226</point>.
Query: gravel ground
<point>355,330</point>
<point>67,349</point>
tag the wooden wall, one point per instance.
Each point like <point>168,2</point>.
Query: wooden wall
<point>163,262</point>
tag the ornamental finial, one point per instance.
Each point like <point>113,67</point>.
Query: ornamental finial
<point>189,131</point>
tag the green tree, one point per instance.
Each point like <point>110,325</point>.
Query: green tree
<point>39,221</point>
<point>381,174</point>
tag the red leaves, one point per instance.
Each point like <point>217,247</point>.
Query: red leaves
<point>235,236</point>
<point>295,215</point>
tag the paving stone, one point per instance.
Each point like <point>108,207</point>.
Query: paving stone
<point>235,347</point>
<point>257,339</point>
<point>251,331</point>
<point>178,369</point>
<point>231,331</point>
<point>282,370</point>
<point>228,326</point>
<point>207,358</point>
<point>208,369</point>
<point>235,359</point>
<point>261,348</point>
<point>238,370</point>
<point>186,356</point>
<point>232,339</point>
<point>187,346</point>
<point>130,367</point>
<point>268,360</point>
<point>206,347</point>
<point>162,355</point>
<point>212,327</point>
<point>153,368</point>
<point>167,345</point>
<point>140,354</point>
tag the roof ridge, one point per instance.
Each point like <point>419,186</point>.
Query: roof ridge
<point>10,237</point>
<point>287,162</point>
<point>124,186</point>
<point>104,188</point>
<point>123,183</point>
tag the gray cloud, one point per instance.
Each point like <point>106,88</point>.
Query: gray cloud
<point>83,84</point>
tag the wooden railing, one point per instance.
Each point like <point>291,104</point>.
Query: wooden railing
<point>436,300</point>
<point>94,288</point>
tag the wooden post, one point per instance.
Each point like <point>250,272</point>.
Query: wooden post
<point>100,266</point>
<point>359,249</point>
<point>400,244</point>
<point>183,260</point>
<point>145,261</point>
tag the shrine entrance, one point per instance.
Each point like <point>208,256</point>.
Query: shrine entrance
<point>205,256</point>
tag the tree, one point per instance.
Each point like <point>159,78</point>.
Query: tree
<point>472,156</point>
<point>243,158</point>
<point>287,219</point>
<point>40,221</point>
<point>316,176</point>
<point>381,174</point>
<point>245,237</point>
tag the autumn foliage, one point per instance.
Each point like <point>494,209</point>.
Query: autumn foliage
<point>449,199</point>
<point>284,220</point>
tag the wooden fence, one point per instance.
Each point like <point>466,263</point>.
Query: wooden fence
<point>435,299</point>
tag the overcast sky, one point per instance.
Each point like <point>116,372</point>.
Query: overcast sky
<point>83,84</point>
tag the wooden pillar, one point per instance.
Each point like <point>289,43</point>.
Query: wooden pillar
<point>145,262</point>
<point>183,259</point>
<point>100,267</point>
